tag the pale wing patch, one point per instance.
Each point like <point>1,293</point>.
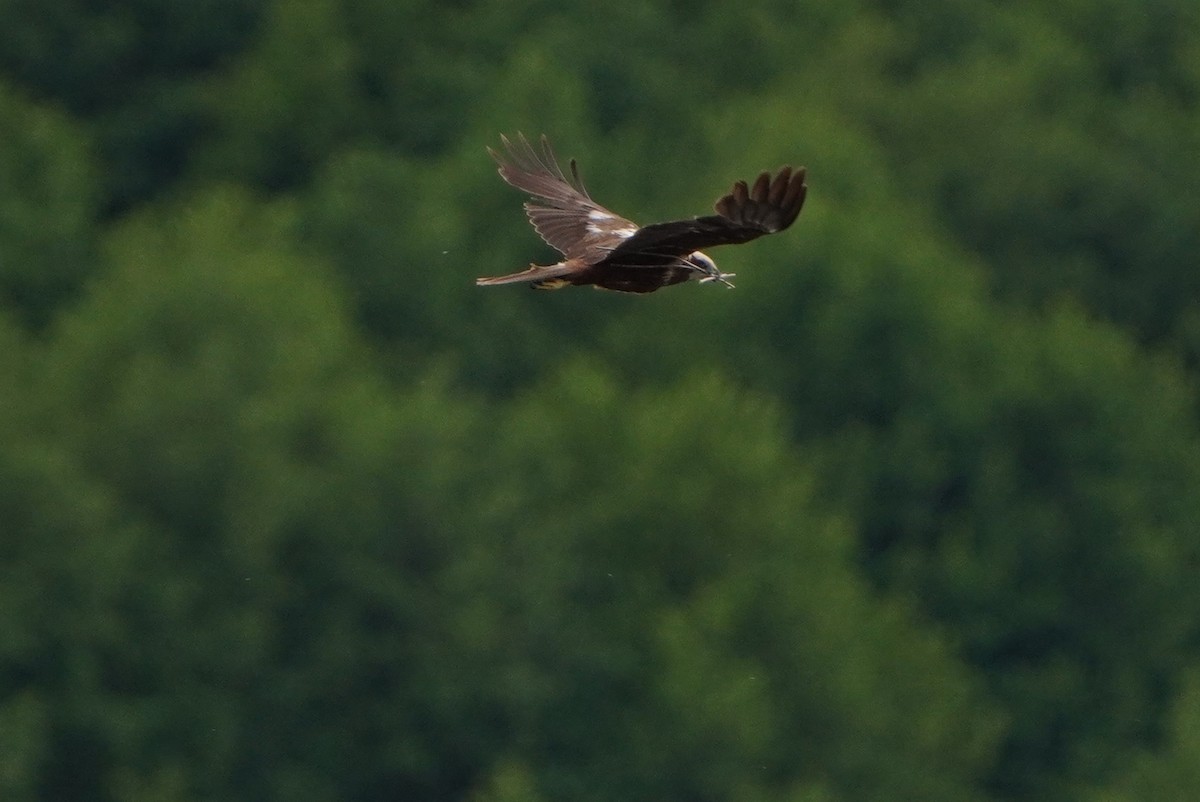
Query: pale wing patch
<point>601,224</point>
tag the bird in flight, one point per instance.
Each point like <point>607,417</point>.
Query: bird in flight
<point>607,251</point>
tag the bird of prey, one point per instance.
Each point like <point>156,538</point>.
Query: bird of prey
<point>607,251</point>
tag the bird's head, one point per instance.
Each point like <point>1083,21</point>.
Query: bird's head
<point>707,270</point>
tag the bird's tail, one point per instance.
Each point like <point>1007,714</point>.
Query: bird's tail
<point>544,277</point>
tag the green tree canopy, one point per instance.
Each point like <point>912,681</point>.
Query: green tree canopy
<point>47,208</point>
<point>290,509</point>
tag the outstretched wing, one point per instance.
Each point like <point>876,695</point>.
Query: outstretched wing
<point>562,212</point>
<point>746,213</point>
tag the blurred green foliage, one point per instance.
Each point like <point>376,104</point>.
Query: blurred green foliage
<point>289,509</point>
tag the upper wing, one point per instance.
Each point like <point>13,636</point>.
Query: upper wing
<point>566,217</point>
<point>744,214</point>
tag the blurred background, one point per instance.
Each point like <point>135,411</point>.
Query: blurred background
<point>290,509</point>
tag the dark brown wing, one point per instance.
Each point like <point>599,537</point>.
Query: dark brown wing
<point>746,213</point>
<point>562,212</point>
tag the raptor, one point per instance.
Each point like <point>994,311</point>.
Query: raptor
<point>606,250</point>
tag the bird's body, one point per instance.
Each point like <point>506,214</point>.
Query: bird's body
<point>607,251</point>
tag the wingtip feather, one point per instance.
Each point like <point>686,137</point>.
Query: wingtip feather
<point>762,185</point>
<point>780,185</point>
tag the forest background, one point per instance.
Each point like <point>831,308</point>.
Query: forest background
<point>289,509</point>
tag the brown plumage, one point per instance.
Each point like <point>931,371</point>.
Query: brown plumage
<point>605,250</point>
